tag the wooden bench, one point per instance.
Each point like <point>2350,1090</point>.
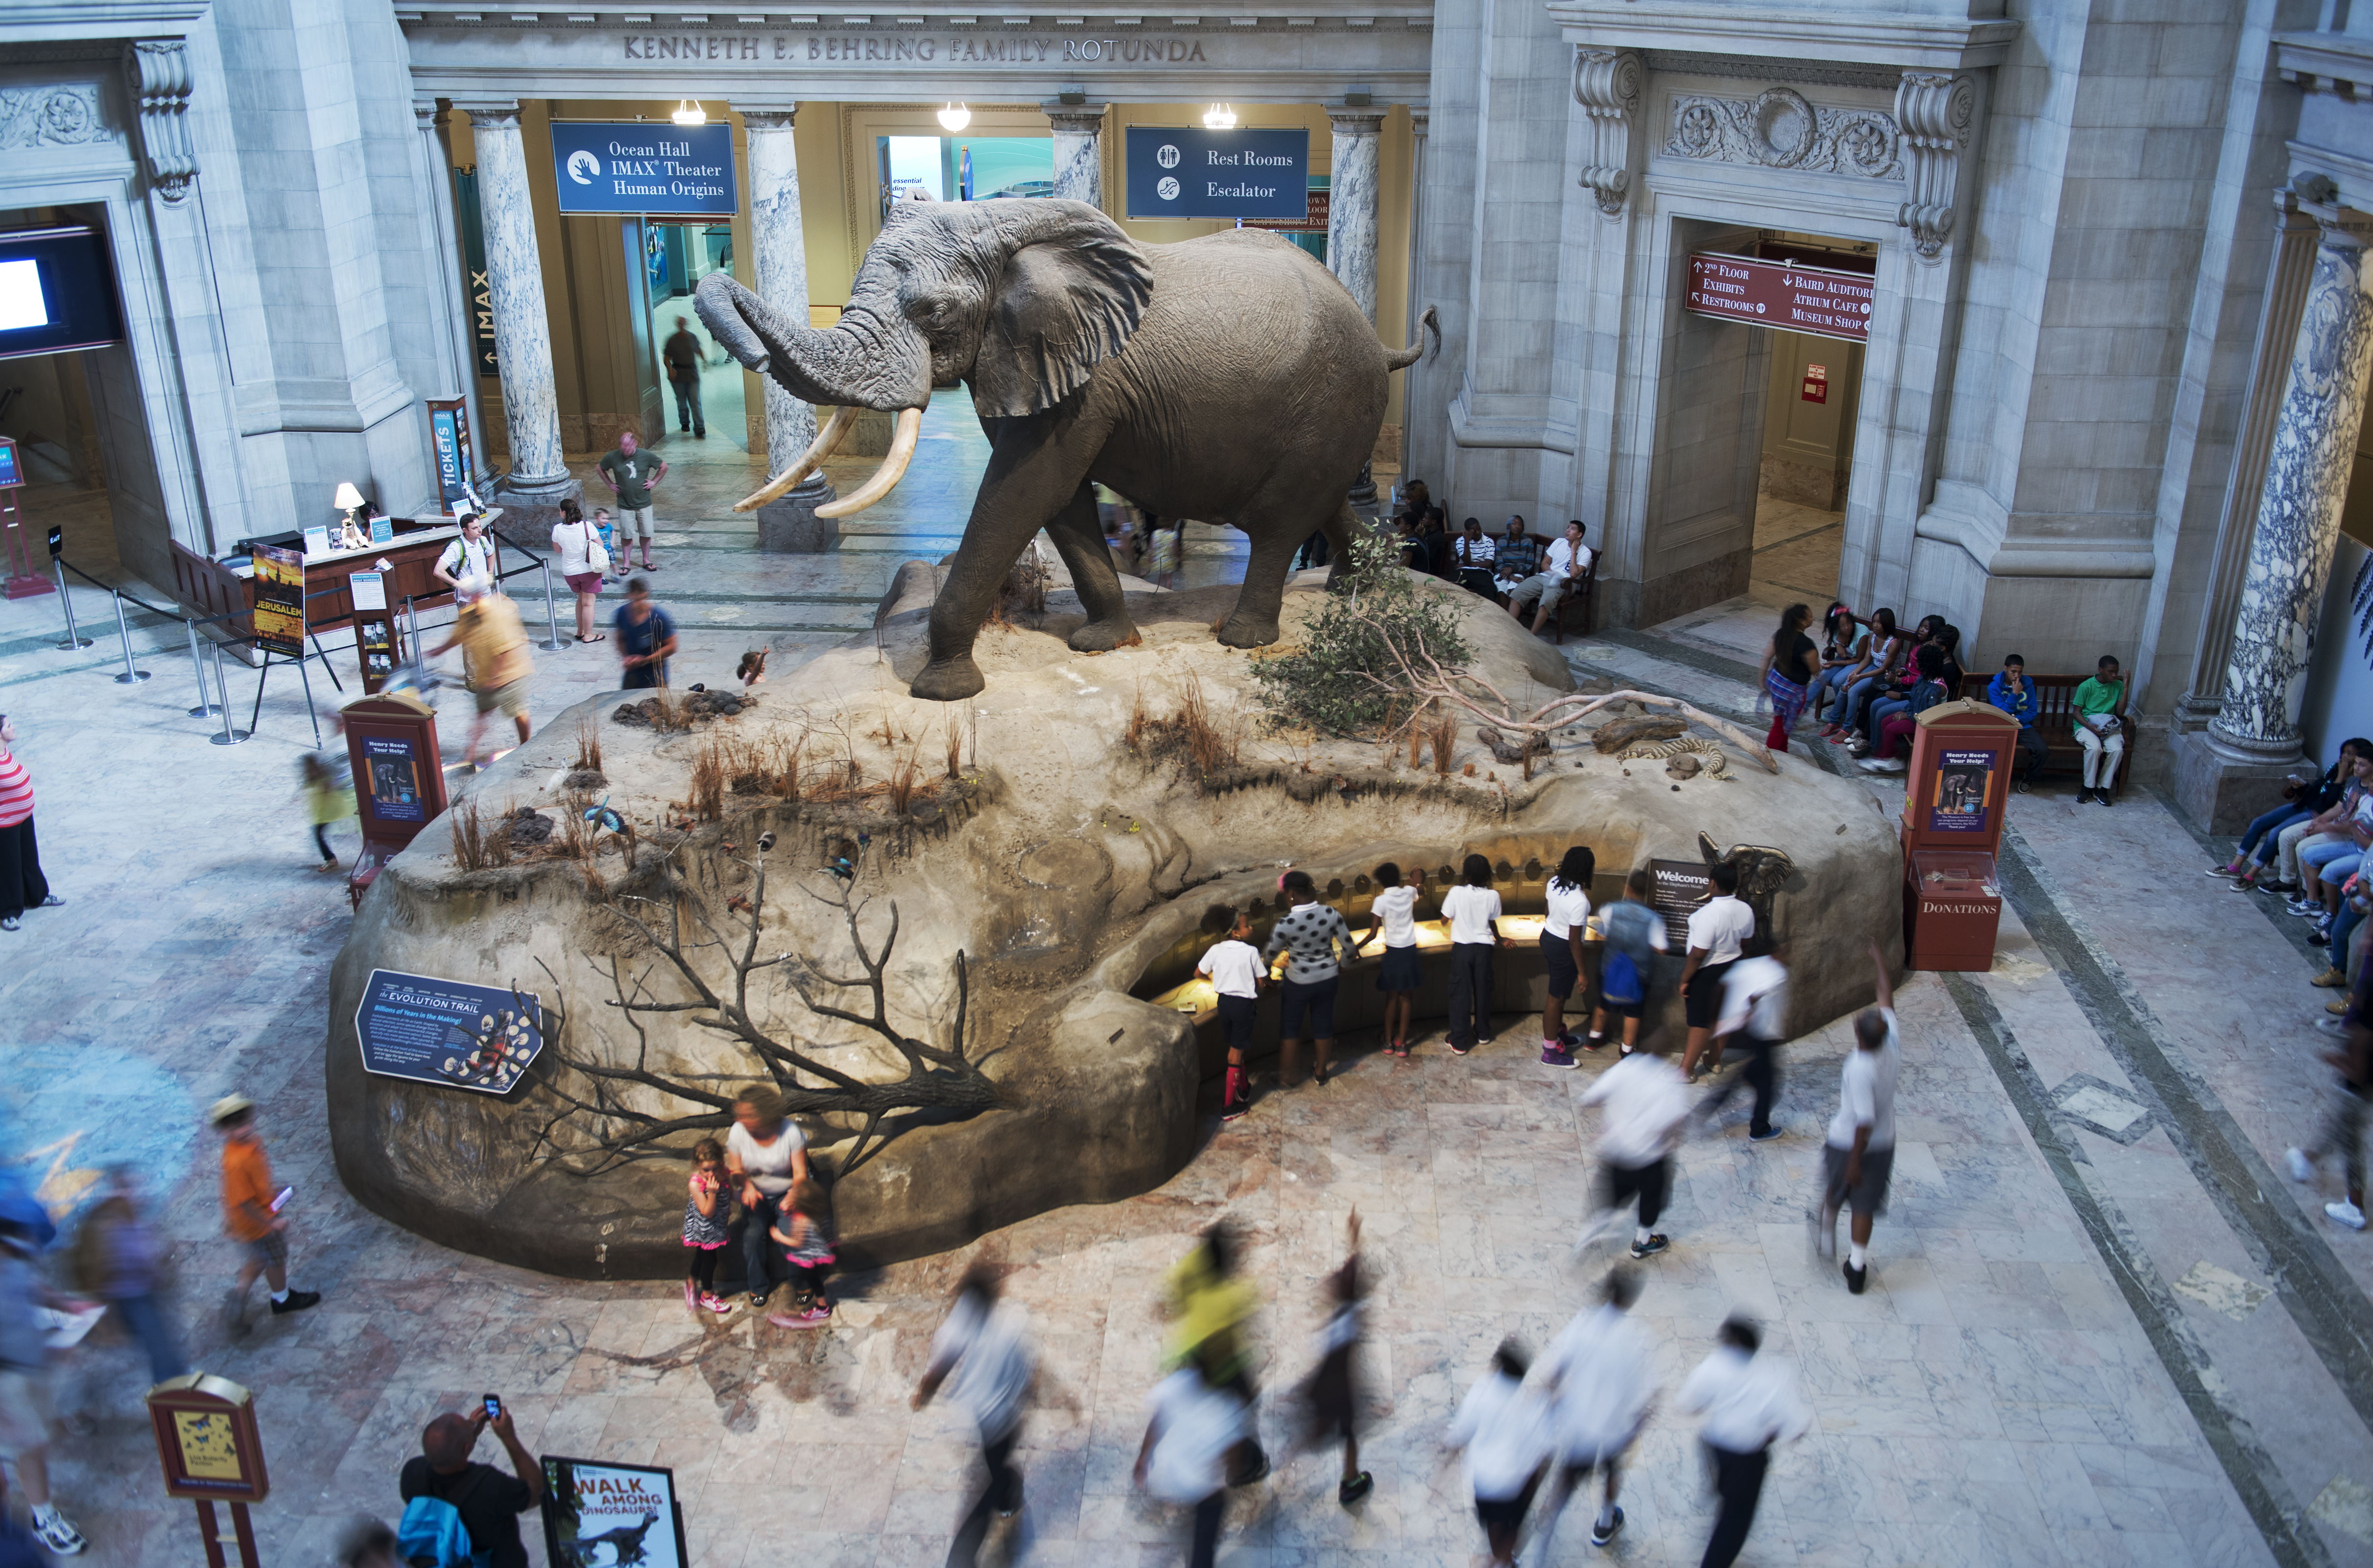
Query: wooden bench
<point>2055,720</point>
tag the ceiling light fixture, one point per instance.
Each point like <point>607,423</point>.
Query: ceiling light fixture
<point>955,117</point>
<point>687,112</point>
<point>1219,117</point>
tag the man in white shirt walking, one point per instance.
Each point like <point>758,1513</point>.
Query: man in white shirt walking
<point>1646,1108</point>
<point>1718,933</point>
<point>984,1345</point>
<point>1861,1153</point>
<point>1755,1015</point>
<point>1749,1403</point>
<point>1602,1384</point>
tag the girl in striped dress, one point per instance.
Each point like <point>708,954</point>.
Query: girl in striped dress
<point>22,887</point>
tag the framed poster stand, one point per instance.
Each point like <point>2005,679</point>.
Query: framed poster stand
<point>380,646</point>
<point>399,778</point>
<point>1955,798</point>
<point>212,1452</point>
<point>15,546</point>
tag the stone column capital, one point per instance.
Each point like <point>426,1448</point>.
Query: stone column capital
<point>159,73</point>
<point>490,113</point>
<point>1356,120</point>
<point>770,116</point>
<point>1079,119</point>
<point>1417,116</point>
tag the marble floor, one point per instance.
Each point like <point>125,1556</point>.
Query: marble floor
<point>1796,549</point>
<point>2102,1327</point>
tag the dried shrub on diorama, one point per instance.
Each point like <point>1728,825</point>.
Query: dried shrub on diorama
<point>1188,734</point>
<point>469,837</point>
<point>1344,678</point>
<point>708,770</point>
<point>906,774</point>
<point>1441,734</point>
<point>955,747</point>
<point>589,747</point>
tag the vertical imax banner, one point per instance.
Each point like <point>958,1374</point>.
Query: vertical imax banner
<point>640,166</point>
<point>1183,171</point>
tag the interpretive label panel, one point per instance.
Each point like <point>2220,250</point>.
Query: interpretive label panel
<point>449,1032</point>
<point>643,166</point>
<point>1964,789</point>
<point>1181,172</point>
<point>596,1512</point>
<point>1678,889</point>
<point>1778,294</point>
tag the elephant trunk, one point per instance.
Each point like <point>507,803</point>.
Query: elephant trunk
<point>869,358</point>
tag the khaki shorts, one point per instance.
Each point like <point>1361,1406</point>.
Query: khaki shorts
<point>638,521</point>
<point>28,1412</point>
<point>510,698</point>
<point>269,1250</point>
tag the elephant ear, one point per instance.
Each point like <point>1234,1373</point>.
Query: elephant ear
<point>1073,290</point>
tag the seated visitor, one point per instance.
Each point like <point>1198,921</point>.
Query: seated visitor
<point>2303,800</point>
<point>1567,563</point>
<point>1475,552</point>
<point>1519,556</point>
<point>2325,829</point>
<point>2010,692</point>
<point>1844,643</point>
<point>1882,657</point>
<point>1926,692</point>
<point>2100,729</point>
<point>1892,697</point>
<point>1439,558</point>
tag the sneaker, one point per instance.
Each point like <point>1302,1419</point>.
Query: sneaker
<point>1570,1040</point>
<point>1235,1112</point>
<point>297,1302</point>
<point>2345,1213</point>
<point>1766,1136</point>
<point>1601,1534</point>
<point>1351,1491</point>
<point>1457,1049</point>
<point>1857,1279</point>
<point>1592,1043</point>
<point>2302,1169</point>
<point>813,1317</point>
<point>2022,786</point>
<point>758,1300</point>
<point>1653,1245</point>
<point>58,1533</point>
<point>2337,1006</point>
<point>715,1304</point>
<point>1553,1056</point>
<point>2224,871</point>
<point>2335,1027</point>
<point>2304,908</point>
<point>2101,798</point>
<point>1893,765</point>
<point>2084,796</point>
<point>2331,978</point>
<point>2246,882</point>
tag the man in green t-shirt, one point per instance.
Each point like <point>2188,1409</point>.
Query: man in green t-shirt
<point>630,475</point>
<point>2099,730</point>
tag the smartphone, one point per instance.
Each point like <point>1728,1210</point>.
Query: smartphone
<point>280,1200</point>
<point>494,1407</point>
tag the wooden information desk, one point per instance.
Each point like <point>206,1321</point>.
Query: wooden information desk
<point>216,588</point>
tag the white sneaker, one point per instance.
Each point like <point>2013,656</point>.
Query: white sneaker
<point>2302,1168</point>
<point>62,1538</point>
<point>2345,1213</point>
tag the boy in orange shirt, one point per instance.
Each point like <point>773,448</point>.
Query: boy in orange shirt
<point>251,1215</point>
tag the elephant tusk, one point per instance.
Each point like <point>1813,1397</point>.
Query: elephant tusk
<point>893,469</point>
<point>835,430</point>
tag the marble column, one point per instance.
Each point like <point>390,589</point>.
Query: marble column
<point>1079,150</point>
<point>539,479</point>
<point>778,242</point>
<point>2307,478</point>
<point>457,343</point>
<point>1351,229</point>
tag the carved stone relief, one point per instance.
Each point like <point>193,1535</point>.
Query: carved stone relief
<point>159,70</point>
<point>1606,84</point>
<point>51,117</point>
<point>1779,129</point>
<point>1937,112</point>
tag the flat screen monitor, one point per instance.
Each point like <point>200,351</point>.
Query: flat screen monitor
<point>11,474</point>
<point>57,291</point>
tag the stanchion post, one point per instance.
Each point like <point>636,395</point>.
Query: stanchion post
<point>74,642</point>
<point>551,616</point>
<point>229,737</point>
<point>130,675</point>
<point>204,709</point>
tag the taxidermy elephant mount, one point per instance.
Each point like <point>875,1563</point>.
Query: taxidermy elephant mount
<point>1230,379</point>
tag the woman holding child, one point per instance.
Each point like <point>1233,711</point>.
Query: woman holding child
<point>766,1153</point>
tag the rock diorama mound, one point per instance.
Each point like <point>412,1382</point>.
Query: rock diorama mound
<point>1043,852</point>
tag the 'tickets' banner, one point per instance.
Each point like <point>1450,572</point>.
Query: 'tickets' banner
<point>1779,294</point>
<point>1184,172</point>
<point>641,166</point>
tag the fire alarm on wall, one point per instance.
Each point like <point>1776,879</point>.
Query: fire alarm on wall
<point>1816,384</point>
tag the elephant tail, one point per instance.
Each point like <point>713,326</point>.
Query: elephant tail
<point>1402,359</point>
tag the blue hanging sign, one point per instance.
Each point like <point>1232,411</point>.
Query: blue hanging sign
<point>1183,171</point>
<point>643,166</point>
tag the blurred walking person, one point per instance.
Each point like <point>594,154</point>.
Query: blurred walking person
<point>1503,1428</point>
<point>1634,934</point>
<point>1193,1423</point>
<point>1647,1105</point>
<point>1210,1306</point>
<point>984,1347</point>
<point>253,1213</point>
<point>1861,1153</point>
<point>1749,1402</point>
<point>29,1413</point>
<point>118,1257</point>
<point>1599,1375</point>
<point>1755,1018</point>
<point>1332,1394</point>
<point>2343,1129</point>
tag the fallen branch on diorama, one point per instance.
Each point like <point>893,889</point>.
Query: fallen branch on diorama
<point>599,1128</point>
<point>1417,681</point>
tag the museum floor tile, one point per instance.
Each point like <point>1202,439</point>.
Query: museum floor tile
<point>2102,1327</point>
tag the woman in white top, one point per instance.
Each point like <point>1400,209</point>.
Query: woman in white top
<point>1569,912</point>
<point>767,1153</point>
<point>1473,911</point>
<point>1393,914</point>
<point>577,548</point>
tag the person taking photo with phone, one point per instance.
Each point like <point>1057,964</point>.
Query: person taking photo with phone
<point>445,1494</point>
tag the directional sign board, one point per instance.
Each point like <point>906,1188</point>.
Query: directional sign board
<point>643,166</point>
<point>1779,293</point>
<point>449,1032</point>
<point>1182,171</point>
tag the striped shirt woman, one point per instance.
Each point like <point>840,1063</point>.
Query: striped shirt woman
<point>22,887</point>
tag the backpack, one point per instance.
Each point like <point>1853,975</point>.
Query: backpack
<point>432,1535</point>
<point>1622,980</point>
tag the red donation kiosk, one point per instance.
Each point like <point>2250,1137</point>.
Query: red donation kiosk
<point>1953,805</point>
<point>399,778</point>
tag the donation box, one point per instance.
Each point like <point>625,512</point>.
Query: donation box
<point>399,778</point>
<point>1953,803</point>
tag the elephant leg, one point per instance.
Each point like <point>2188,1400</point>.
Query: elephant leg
<point>1253,622</point>
<point>1032,473</point>
<point>1081,542</point>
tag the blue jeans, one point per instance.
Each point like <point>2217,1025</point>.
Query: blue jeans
<point>1831,681</point>
<point>1880,712</point>
<point>2268,829</point>
<point>1857,696</point>
<point>146,1322</point>
<point>2327,858</point>
<point>760,1254</point>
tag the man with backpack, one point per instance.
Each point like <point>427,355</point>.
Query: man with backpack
<point>1634,934</point>
<point>459,1514</point>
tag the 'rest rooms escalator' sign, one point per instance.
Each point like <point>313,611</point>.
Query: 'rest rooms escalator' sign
<point>1187,171</point>
<point>1779,293</point>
